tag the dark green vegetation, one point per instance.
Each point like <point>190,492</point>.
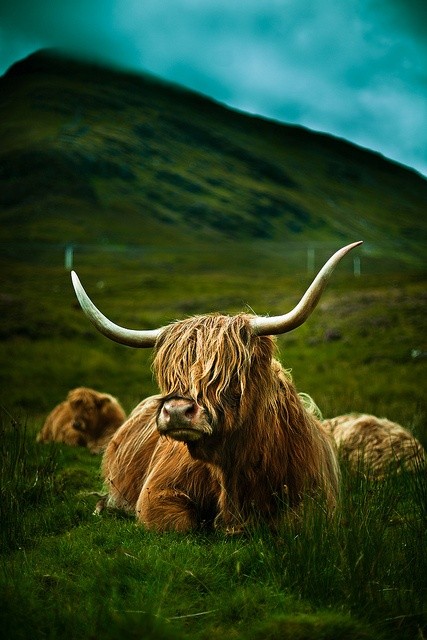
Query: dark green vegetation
<point>67,573</point>
<point>85,149</point>
<point>190,208</point>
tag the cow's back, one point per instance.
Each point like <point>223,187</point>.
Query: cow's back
<point>375,444</point>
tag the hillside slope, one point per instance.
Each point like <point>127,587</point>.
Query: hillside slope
<point>91,154</point>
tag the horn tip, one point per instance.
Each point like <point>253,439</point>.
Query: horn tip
<point>351,246</point>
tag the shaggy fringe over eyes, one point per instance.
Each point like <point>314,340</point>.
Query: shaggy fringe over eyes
<point>209,359</point>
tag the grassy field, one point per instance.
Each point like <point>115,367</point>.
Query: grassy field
<point>66,573</point>
<point>70,574</point>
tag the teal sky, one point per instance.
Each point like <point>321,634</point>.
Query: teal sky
<point>354,68</point>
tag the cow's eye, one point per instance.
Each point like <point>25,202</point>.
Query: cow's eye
<point>232,398</point>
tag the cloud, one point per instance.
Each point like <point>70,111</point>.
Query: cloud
<point>408,16</point>
<point>354,69</point>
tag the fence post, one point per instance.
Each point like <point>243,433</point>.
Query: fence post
<point>356,266</point>
<point>310,260</point>
<point>68,258</point>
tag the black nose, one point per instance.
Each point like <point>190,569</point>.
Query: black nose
<point>178,412</point>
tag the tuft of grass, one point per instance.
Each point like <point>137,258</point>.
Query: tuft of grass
<point>26,483</point>
<point>43,488</point>
<point>321,626</point>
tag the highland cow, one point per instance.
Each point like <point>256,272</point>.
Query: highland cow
<point>375,446</point>
<point>228,441</point>
<point>87,418</point>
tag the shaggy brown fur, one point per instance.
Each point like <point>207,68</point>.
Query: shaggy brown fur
<point>264,450</point>
<point>86,418</point>
<point>375,445</point>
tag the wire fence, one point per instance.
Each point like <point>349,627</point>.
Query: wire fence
<point>305,257</point>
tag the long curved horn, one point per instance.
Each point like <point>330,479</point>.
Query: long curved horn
<point>129,337</point>
<point>276,325</point>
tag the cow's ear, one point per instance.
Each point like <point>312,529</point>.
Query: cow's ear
<point>102,400</point>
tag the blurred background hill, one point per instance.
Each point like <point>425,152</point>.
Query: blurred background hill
<point>95,155</point>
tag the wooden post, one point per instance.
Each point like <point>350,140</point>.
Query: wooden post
<point>310,260</point>
<point>69,255</point>
<point>356,266</point>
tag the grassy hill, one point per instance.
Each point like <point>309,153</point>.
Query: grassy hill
<point>94,155</point>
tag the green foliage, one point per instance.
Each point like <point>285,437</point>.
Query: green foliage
<point>315,578</point>
<point>322,626</point>
<point>24,484</point>
<point>359,575</point>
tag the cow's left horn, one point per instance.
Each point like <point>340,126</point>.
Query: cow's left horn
<point>129,337</point>
<point>263,326</point>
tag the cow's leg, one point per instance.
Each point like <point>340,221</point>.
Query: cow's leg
<point>166,509</point>
<point>230,518</point>
<point>179,494</point>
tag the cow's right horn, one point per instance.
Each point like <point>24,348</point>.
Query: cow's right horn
<point>128,337</point>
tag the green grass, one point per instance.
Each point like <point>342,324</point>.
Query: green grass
<point>361,575</point>
<point>48,346</point>
<point>358,575</point>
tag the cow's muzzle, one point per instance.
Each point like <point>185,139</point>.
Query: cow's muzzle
<point>183,419</point>
<point>79,425</point>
